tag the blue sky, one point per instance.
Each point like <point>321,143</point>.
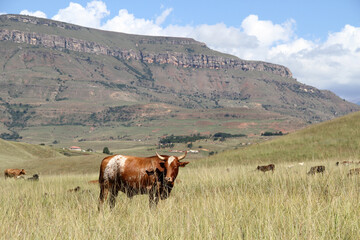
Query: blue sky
<point>318,40</point>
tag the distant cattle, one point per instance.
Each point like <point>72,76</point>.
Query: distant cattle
<point>346,163</point>
<point>93,182</point>
<point>14,173</point>
<point>266,168</point>
<point>355,171</point>
<point>78,189</point>
<point>75,189</point>
<point>138,175</point>
<point>35,177</point>
<point>316,169</point>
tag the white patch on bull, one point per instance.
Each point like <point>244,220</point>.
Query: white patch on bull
<point>171,159</point>
<point>116,164</point>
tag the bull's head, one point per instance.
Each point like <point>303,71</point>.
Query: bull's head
<point>172,164</point>
<point>22,172</point>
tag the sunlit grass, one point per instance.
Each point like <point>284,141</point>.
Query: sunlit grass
<point>337,139</point>
<point>207,203</point>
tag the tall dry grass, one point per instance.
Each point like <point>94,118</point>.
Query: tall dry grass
<point>208,203</point>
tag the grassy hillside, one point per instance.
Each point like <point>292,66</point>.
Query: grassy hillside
<point>338,139</point>
<point>207,203</point>
<point>333,140</point>
<point>13,152</point>
<point>45,159</point>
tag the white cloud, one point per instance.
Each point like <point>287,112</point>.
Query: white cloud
<point>325,65</point>
<point>89,16</point>
<point>294,47</point>
<point>39,14</point>
<point>265,31</point>
<point>161,19</point>
<point>127,23</point>
<point>348,38</point>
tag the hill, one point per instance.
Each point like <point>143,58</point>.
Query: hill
<point>61,82</point>
<point>337,139</point>
<point>45,159</point>
<point>334,140</point>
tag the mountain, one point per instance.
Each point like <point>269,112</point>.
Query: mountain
<point>63,82</point>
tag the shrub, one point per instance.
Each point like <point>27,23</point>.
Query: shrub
<point>106,150</point>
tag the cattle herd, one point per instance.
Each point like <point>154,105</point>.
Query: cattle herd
<point>19,174</point>
<point>153,175</point>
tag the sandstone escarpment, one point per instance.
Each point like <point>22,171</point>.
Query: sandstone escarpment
<point>181,59</point>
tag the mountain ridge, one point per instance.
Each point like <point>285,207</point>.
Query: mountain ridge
<point>168,57</point>
<point>57,74</point>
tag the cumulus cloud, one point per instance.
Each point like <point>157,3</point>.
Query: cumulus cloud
<point>348,38</point>
<point>89,16</point>
<point>333,64</point>
<point>265,31</point>
<point>39,14</point>
<point>127,23</point>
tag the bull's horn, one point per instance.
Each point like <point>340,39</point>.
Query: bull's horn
<point>159,156</point>
<point>182,156</point>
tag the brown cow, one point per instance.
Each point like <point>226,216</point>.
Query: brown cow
<point>316,169</point>
<point>15,173</point>
<point>355,171</point>
<point>94,181</point>
<point>344,163</point>
<point>266,168</point>
<point>138,175</point>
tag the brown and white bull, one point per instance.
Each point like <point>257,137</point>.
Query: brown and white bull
<point>138,175</point>
<point>15,173</point>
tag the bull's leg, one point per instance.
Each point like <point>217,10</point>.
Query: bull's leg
<point>113,195</point>
<point>154,196</point>
<point>153,200</point>
<point>104,189</point>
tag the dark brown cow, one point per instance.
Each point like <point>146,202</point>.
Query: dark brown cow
<point>35,177</point>
<point>355,171</point>
<point>266,168</point>
<point>316,169</point>
<point>138,175</point>
<point>14,173</point>
<point>75,189</point>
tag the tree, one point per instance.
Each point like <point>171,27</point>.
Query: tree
<point>106,150</point>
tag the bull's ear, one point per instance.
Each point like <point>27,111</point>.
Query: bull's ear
<point>183,164</point>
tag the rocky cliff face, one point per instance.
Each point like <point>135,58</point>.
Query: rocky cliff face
<point>185,60</point>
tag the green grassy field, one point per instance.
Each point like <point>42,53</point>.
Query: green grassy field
<point>217,197</point>
<point>207,203</point>
<point>338,139</point>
